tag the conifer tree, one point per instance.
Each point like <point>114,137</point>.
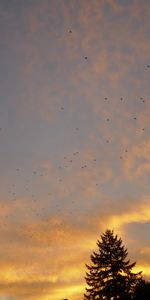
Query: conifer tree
<point>110,276</point>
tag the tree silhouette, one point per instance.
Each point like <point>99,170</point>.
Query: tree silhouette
<point>142,290</point>
<point>110,277</point>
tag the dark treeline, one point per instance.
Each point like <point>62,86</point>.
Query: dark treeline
<point>110,275</point>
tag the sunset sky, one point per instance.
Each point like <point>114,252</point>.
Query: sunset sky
<point>74,140</point>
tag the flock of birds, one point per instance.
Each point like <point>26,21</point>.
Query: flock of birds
<point>67,161</point>
<point>42,209</point>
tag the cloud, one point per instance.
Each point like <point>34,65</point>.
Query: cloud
<point>61,200</point>
<point>137,164</point>
<point>36,271</point>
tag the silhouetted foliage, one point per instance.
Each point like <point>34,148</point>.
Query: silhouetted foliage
<point>110,277</point>
<point>142,291</point>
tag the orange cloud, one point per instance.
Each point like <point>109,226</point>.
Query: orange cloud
<point>44,251</point>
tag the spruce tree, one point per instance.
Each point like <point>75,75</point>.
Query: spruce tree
<point>110,276</point>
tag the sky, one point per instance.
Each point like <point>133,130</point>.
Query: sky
<point>74,140</point>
